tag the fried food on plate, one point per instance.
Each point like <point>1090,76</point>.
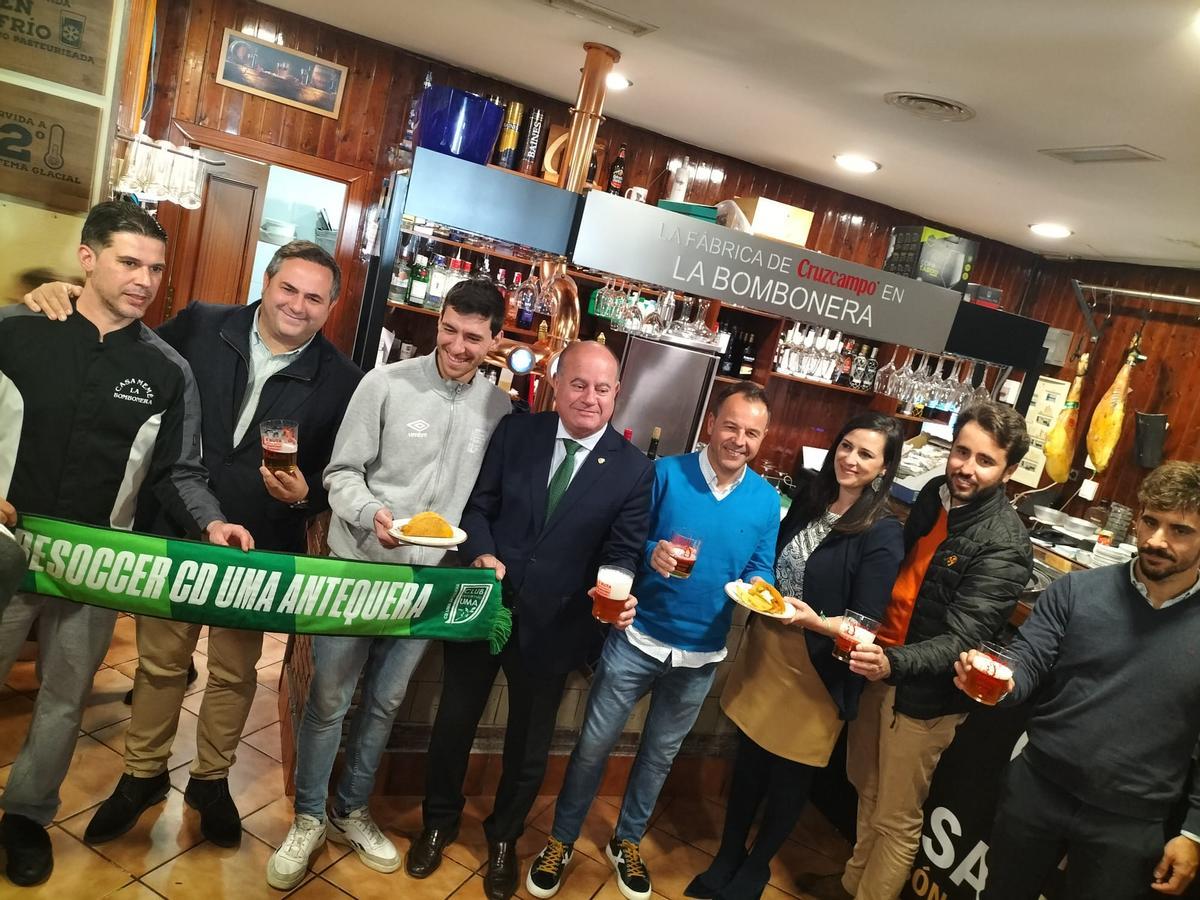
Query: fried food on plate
<point>427,524</point>
<point>762,597</point>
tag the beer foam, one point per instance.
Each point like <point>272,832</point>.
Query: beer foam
<point>859,635</point>
<point>281,446</point>
<point>992,668</point>
<point>614,584</point>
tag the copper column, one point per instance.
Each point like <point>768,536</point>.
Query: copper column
<point>585,115</point>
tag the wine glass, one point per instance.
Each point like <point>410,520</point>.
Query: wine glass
<point>981,394</point>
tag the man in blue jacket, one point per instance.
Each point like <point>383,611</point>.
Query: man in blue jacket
<point>678,639</point>
<point>252,363</point>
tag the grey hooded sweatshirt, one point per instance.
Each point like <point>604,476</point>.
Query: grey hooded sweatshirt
<point>411,441</point>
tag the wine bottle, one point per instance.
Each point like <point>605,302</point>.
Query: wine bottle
<point>652,448</point>
<point>748,356</point>
<point>733,351</point>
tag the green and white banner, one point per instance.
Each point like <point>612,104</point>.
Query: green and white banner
<point>260,590</point>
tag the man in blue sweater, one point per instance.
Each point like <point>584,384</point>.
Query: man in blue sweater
<point>678,638</point>
<point>1111,656</point>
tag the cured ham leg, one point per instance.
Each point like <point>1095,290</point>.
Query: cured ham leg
<point>1062,437</point>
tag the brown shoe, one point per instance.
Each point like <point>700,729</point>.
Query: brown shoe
<point>425,855</point>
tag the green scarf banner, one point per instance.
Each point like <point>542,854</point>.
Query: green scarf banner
<point>261,590</point>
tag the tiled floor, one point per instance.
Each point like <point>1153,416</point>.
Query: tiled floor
<point>165,856</point>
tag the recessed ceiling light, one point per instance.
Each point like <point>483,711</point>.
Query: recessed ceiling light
<point>617,82</point>
<point>852,162</point>
<point>1050,230</point>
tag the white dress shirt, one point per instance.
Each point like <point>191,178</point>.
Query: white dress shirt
<point>587,445</point>
<point>262,365</point>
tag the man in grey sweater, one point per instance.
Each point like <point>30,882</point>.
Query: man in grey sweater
<point>1111,656</point>
<point>412,440</point>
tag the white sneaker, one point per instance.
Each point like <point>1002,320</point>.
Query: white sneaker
<point>358,830</point>
<point>287,865</point>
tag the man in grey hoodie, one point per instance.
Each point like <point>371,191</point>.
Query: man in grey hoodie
<point>412,440</point>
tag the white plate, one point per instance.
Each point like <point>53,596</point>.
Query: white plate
<point>731,593</point>
<point>453,541</point>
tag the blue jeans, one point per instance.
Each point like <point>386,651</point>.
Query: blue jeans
<point>337,662</point>
<point>623,676</point>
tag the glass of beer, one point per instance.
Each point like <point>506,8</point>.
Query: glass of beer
<point>992,667</point>
<point>856,629</point>
<point>613,584</point>
<point>280,444</point>
<point>685,549</point>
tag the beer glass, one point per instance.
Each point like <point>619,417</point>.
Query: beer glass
<point>992,667</point>
<point>280,444</point>
<point>685,549</point>
<point>856,629</point>
<point>612,590</point>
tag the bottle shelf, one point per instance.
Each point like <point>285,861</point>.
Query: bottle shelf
<point>729,379</point>
<point>419,310</point>
<point>823,384</point>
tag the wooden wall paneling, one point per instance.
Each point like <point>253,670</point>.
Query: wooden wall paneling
<point>1167,382</point>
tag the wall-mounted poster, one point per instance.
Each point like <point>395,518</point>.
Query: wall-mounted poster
<point>64,42</point>
<point>287,76</point>
<point>47,148</point>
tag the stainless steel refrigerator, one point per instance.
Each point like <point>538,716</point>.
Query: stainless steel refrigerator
<point>666,386</point>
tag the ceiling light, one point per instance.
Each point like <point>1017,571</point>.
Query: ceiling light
<point>1050,230</point>
<point>617,82</point>
<point>852,162</point>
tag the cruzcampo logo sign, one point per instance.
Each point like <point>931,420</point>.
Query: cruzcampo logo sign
<point>260,590</point>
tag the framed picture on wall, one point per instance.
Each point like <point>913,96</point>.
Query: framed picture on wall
<point>281,74</point>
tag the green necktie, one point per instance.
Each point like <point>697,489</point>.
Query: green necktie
<point>562,475</point>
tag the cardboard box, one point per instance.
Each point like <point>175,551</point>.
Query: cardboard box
<point>775,220</point>
<point>930,255</point>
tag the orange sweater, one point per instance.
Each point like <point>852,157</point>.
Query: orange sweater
<point>908,584</point>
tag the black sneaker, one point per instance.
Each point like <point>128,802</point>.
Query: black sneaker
<point>545,875</point>
<point>130,798</point>
<point>633,880</point>
<point>219,819</point>
<point>30,855</point>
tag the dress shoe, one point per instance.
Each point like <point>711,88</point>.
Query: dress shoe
<point>425,855</point>
<point>503,870</point>
<point>30,855</point>
<point>130,798</point>
<point>219,819</point>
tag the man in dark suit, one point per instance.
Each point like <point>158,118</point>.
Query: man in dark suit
<point>559,495</point>
<point>252,363</point>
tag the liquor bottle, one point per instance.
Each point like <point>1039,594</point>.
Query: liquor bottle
<point>510,131</point>
<point>592,166</point>
<point>414,114</point>
<point>502,281</point>
<point>830,358</point>
<point>748,356</point>
<point>652,448</point>
<point>733,351</point>
<point>438,276</point>
<point>401,278</point>
<point>858,368</point>
<point>512,302</point>
<point>418,285</point>
<point>845,363</point>
<point>616,173</point>
<point>527,295</point>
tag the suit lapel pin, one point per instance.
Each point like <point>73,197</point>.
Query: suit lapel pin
<point>600,461</point>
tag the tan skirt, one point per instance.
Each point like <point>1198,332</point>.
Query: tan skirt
<point>775,696</point>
